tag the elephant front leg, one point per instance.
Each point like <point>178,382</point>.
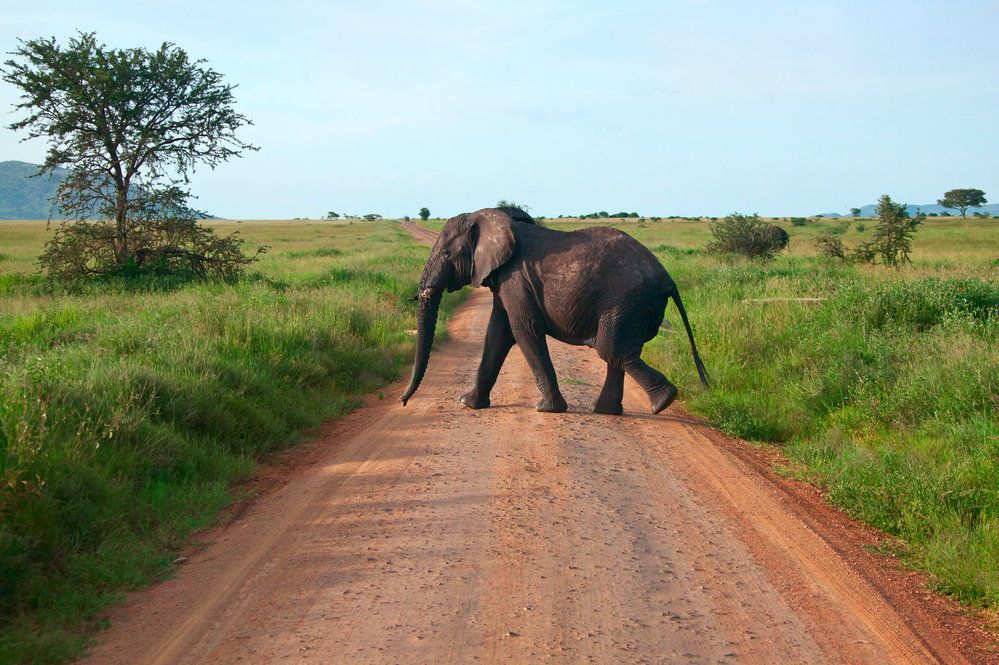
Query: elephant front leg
<point>612,393</point>
<point>499,341</point>
<point>535,349</point>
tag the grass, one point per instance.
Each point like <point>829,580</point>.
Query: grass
<point>886,394</point>
<point>129,409</point>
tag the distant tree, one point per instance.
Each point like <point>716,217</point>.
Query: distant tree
<point>424,214</point>
<point>855,212</point>
<point>503,203</point>
<point>370,217</point>
<point>332,215</point>
<point>892,235</point>
<point>129,125</point>
<point>962,199</point>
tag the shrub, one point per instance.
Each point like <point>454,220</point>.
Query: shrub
<point>798,221</point>
<point>861,226</point>
<point>175,245</point>
<point>748,236</point>
<point>830,246</point>
<point>892,235</point>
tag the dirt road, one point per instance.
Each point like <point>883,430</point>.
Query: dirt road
<point>434,534</point>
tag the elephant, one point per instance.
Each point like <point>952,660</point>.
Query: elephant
<point>597,287</point>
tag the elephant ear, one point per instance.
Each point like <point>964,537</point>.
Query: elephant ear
<point>494,244</point>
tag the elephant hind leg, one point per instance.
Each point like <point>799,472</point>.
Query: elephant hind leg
<point>612,393</point>
<point>659,389</point>
<point>620,347</point>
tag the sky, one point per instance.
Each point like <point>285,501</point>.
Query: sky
<point>659,107</point>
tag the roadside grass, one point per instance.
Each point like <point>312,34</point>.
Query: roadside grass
<point>885,394</point>
<point>129,409</point>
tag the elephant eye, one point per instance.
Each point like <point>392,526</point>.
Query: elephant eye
<point>446,254</point>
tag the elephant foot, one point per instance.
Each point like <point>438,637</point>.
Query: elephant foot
<point>608,409</point>
<point>662,397</point>
<point>554,404</point>
<point>471,401</point>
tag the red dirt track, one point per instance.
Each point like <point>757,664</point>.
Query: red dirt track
<point>436,534</point>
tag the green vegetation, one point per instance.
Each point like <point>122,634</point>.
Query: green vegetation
<point>893,234</point>
<point>962,199</point>
<point>130,407</point>
<point>129,126</point>
<point>749,236</point>
<point>885,394</point>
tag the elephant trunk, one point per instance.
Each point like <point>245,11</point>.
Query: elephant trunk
<point>426,323</point>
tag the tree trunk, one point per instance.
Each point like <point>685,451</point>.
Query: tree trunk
<point>122,253</point>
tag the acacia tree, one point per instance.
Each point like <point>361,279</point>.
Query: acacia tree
<point>130,125</point>
<point>424,214</point>
<point>962,199</point>
<point>893,233</point>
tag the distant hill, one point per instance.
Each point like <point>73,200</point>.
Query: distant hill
<point>25,197</point>
<point>868,210</point>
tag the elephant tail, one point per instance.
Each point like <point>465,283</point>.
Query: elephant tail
<point>701,372</point>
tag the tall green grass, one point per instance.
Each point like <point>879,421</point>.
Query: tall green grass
<point>886,394</point>
<point>128,409</point>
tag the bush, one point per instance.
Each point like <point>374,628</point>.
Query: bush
<point>861,226</point>
<point>748,236</point>
<point>174,245</point>
<point>892,236</point>
<point>798,221</point>
<point>830,246</point>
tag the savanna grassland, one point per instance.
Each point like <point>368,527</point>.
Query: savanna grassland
<point>131,409</point>
<point>885,394</point>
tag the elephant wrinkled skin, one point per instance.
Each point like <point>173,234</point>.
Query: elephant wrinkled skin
<point>597,287</point>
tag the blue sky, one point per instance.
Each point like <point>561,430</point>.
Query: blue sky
<point>669,107</point>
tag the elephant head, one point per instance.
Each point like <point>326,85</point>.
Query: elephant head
<point>469,248</point>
